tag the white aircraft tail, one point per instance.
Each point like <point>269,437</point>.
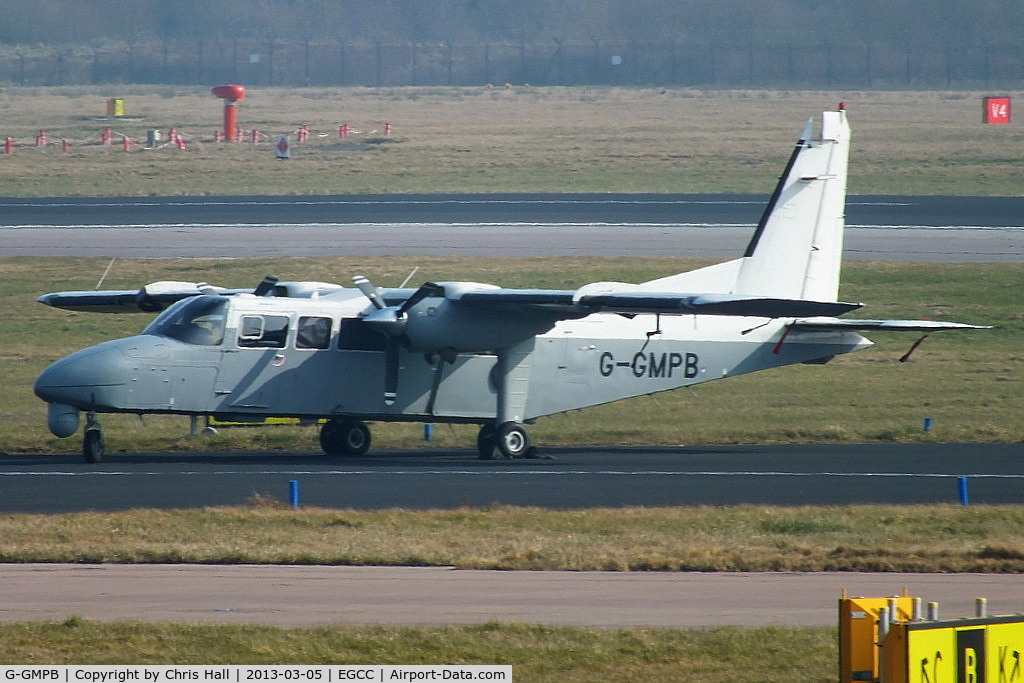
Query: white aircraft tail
<point>796,251</point>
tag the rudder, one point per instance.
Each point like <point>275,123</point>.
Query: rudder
<point>796,251</point>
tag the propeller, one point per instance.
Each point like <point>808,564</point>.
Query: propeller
<point>265,286</point>
<point>369,291</point>
<point>391,321</point>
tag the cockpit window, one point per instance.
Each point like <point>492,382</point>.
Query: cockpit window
<point>197,320</point>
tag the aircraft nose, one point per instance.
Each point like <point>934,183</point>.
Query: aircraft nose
<point>89,379</point>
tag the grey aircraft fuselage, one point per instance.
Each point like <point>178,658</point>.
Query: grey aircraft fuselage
<point>260,360</point>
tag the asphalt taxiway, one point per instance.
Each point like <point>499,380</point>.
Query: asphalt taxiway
<point>808,474</point>
<point>939,229</point>
<point>434,596</point>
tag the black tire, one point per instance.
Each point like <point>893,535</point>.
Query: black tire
<point>345,437</point>
<point>485,442</point>
<point>92,446</point>
<point>512,440</point>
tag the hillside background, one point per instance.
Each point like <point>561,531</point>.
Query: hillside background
<point>723,43</point>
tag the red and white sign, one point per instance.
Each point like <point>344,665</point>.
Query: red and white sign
<point>997,110</point>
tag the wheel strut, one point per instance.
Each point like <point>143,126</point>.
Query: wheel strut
<point>93,445</point>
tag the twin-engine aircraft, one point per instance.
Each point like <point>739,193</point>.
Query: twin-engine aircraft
<point>477,353</point>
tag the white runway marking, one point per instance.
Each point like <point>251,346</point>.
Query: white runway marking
<point>505,473</point>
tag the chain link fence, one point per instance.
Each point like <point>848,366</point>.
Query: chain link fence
<point>381,63</point>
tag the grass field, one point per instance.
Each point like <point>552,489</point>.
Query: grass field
<point>496,140</point>
<point>535,652</point>
<point>933,538</point>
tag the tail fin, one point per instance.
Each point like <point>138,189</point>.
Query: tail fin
<point>796,251</point>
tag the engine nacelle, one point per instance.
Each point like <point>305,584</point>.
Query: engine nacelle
<point>436,324</point>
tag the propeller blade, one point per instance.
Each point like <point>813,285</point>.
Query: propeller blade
<point>369,291</point>
<point>265,286</point>
<point>425,290</point>
<point>391,371</point>
<point>391,321</point>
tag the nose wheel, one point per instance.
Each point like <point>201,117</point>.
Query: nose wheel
<point>93,446</point>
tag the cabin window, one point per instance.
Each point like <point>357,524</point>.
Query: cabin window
<point>313,333</point>
<point>354,335</point>
<point>263,331</point>
<point>197,320</point>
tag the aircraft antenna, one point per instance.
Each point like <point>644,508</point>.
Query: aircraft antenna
<point>106,272</point>
<point>408,277</point>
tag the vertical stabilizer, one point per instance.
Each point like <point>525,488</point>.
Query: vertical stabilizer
<point>797,249</point>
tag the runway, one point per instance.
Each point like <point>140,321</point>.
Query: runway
<point>878,211</point>
<point>568,478</point>
<point>938,229</point>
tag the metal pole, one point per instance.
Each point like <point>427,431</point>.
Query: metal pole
<point>883,631</point>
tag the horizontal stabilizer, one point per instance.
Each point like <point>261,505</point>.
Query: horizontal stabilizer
<point>634,301</point>
<point>826,324</point>
<point>713,304</point>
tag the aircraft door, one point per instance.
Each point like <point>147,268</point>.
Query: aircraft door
<point>174,361</point>
<point>254,364</point>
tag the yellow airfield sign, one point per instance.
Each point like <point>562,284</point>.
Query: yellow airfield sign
<point>984,650</point>
<point>858,633</point>
<point>885,640</point>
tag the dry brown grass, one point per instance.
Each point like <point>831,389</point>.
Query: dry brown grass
<point>500,140</point>
<point>938,538</point>
<point>535,652</point>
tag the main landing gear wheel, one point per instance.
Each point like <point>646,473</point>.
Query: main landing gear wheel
<point>510,440</point>
<point>345,437</point>
<point>93,446</point>
<point>485,442</point>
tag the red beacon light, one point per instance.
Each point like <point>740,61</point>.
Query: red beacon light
<point>230,94</point>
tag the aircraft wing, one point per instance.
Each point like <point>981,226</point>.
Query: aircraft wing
<point>156,296</point>
<point>573,304</point>
<point>828,324</point>
<point>151,298</point>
